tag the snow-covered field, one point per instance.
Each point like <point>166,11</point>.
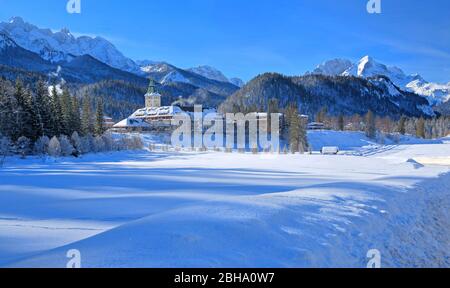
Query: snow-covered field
<point>186,209</point>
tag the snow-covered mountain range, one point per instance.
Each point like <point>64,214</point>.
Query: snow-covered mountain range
<point>174,74</point>
<point>63,46</point>
<point>214,74</point>
<point>209,72</point>
<point>368,67</point>
<point>340,95</point>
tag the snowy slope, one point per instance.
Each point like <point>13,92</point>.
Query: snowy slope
<point>147,66</point>
<point>228,210</point>
<point>174,76</point>
<point>237,82</point>
<point>369,67</point>
<point>210,73</point>
<point>214,74</point>
<point>5,41</point>
<point>436,93</point>
<point>333,67</point>
<point>63,46</point>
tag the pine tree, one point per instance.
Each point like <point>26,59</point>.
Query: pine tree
<point>34,124</point>
<point>86,117</point>
<point>22,113</point>
<point>44,108</point>
<point>56,115</point>
<point>7,107</point>
<point>75,115</point>
<point>66,110</point>
<point>99,119</point>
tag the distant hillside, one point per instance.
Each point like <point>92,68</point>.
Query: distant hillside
<point>121,98</point>
<point>168,74</point>
<point>339,94</point>
<point>368,67</point>
<point>444,108</point>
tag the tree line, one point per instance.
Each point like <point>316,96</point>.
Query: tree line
<point>294,127</point>
<point>375,126</point>
<point>50,120</point>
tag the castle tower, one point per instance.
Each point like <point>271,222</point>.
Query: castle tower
<point>152,98</point>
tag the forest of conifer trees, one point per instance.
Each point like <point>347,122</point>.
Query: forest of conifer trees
<point>43,120</point>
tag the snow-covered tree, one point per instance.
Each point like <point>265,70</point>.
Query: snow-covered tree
<point>108,141</point>
<point>134,143</point>
<point>66,112</point>
<point>7,108</point>
<point>41,145</point>
<point>86,117</point>
<point>87,143</point>
<point>23,146</point>
<point>43,107</point>
<point>76,141</point>
<point>66,147</point>
<point>5,146</point>
<point>99,144</point>
<point>75,115</point>
<point>99,119</point>
<point>54,148</point>
<point>56,113</point>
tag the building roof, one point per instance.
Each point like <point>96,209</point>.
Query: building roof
<point>138,118</point>
<point>152,91</point>
<point>131,122</point>
<point>157,112</point>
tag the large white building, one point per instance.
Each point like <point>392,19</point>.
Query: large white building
<point>153,114</point>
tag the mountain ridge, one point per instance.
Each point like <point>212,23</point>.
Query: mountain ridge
<point>346,95</point>
<point>63,46</point>
<point>369,67</point>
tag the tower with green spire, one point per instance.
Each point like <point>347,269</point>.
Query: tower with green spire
<point>152,98</point>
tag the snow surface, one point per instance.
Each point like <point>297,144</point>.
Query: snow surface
<point>148,66</point>
<point>189,209</point>
<point>435,93</point>
<point>175,76</point>
<point>215,74</point>
<point>333,67</point>
<point>210,73</point>
<point>237,82</point>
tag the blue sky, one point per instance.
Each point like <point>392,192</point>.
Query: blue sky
<point>246,37</point>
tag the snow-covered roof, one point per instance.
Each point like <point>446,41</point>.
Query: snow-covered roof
<point>152,94</point>
<point>131,122</point>
<point>157,112</point>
